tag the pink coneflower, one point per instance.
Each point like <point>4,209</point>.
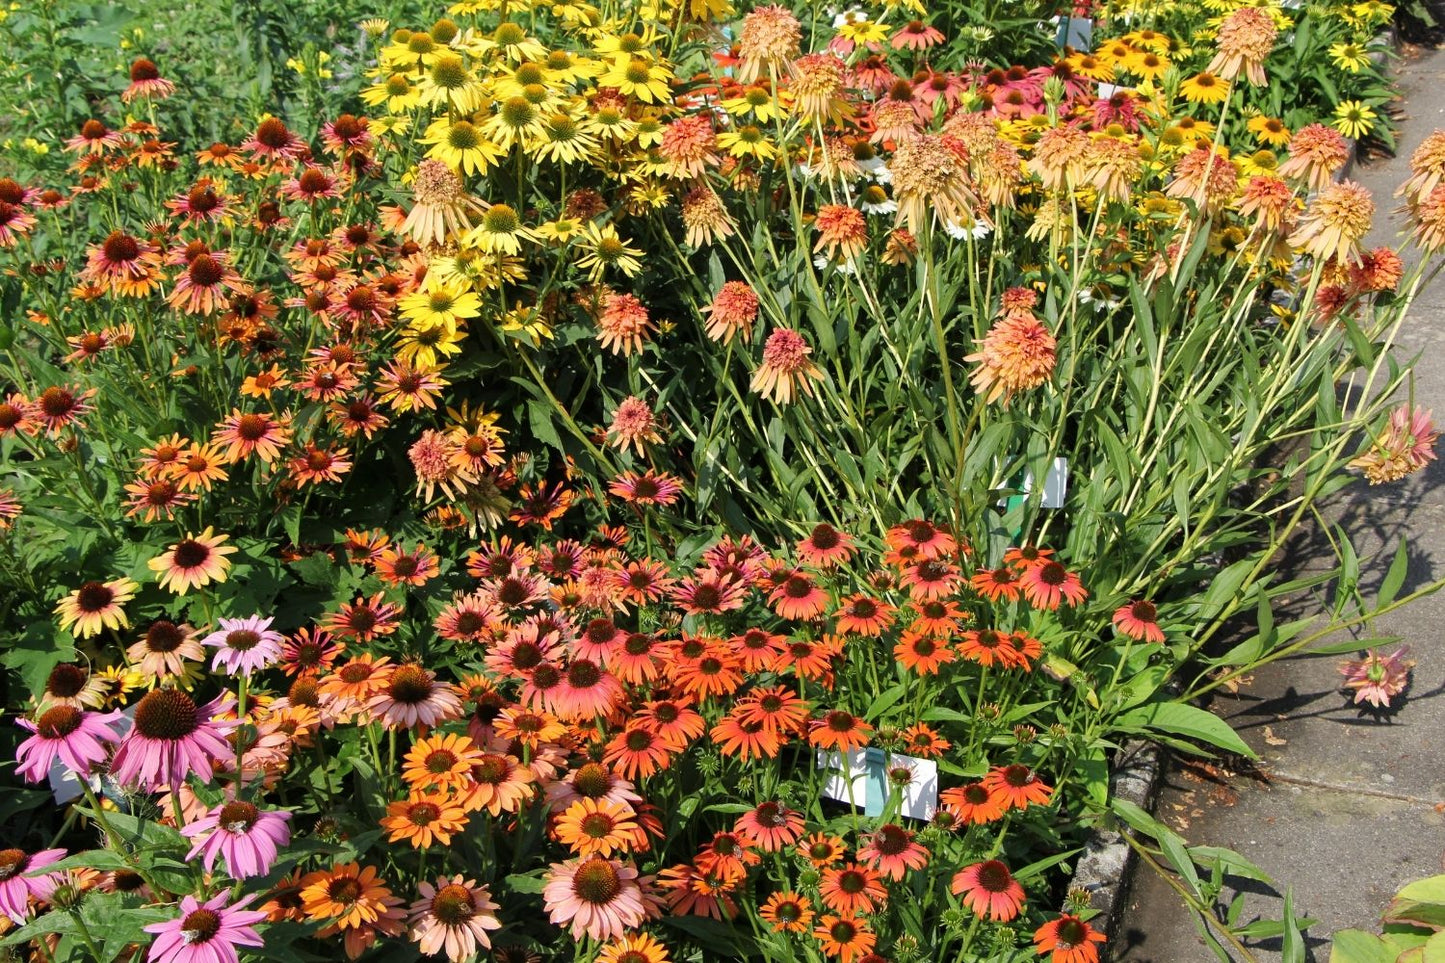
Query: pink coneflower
<point>1377,679</point>
<point>15,223</point>
<point>347,133</point>
<point>798,597</point>
<point>202,204</point>
<point>242,435</point>
<point>916,35</point>
<point>633,425</point>
<point>1139,620</point>
<point>990,890</point>
<point>244,645</point>
<point>648,488</point>
<point>786,370</point>
<point>94,138</point>
<point>273,140</point>
<point>146,82</point>
<point>771,825</point>
<point>892,851</point>
<point>412,697</point>
<point>622,324</point>
<point>124,265</point>
<point>246,837</point>
<point>58,407</point>
<point>311,185</point>
<point>16,888</point>
<point>454,915</point>
<point>173,738</point>
<point>709,593</point>
<point>206,285</point>
<point>79,738</point>
<point>598,897</point>
<point>17,416</point>
<point>1405,446</point>
<point>1046,585</point>
<point>206,932</point>
<point>585,691</point>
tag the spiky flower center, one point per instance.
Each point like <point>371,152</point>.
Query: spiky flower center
<point>410,684</point>
<point>57,723</point>
<point>596,881</point>
<point>583,674</point>
<point>238,817</point>
<point>200,926</point>
<point>190,553</point>
<point>65,681</point>
<point>94,597</point>
<point>167,714</point>
<point>453,905</point>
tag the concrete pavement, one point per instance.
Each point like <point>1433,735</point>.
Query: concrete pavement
<point>1346,806</point>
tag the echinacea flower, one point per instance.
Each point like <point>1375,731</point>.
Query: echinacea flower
<point>1069,940</point>
<point>1405,446</point>
<point>1335,222</point>
<point>892,851</point>
<point>1046,586</point>
<point>164,649</point>
<point>732,312</point>
<point>194,562</point>
<point>847,938</point>
<point>787,912</point>
<point>1244,42</point>
<point>597,827</point>
<point>1377,679</point>
<point>1139,621</point>
<point>768,43</point>
<point>411,696</point>
<point>244,646</point>
<point>17,887</point>
<point>852,889</point>
<point>771,825</point>
<point>206,932</point>
<point>424,819</point>
<point>348,895</point>
<point>247,838</point>
<point>633,948</point>
<point>989,890</point>
<point>453,916</point>
<point>598,897</point>
<point>77,737</point>
<point>1018,785</point>
<point>633,426</point>
<point>96,606</point>
<point>173,738</point>
<point>786,370</point>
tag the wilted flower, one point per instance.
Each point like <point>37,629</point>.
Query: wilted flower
<point>1405,446</point>
<point>785,368</point>
<point>1377,679</point>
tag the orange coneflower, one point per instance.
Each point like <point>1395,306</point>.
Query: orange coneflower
<point>996,584</point>
<point>839,730</point>
<point>708,593</point>
<point>422,820</point>
<point>542,504</point>
<point>926,539</point>
<point>637,752</point>
<point>1018,786</point>
<point>825,546</point>
<point>787,912</point>
<point>1069,940</point>
<point>530,729</point>
<point>316,464</point>
<point>672,720</point>
<point>364,619</point>
<point>851,889</point>
<point>273,140</point>
<point>18,416</point>
<point>198,467</point>
<point>732,312</point>
<point>309,651</point>
<point>810,658</point>
<point>440,761</point>
<point>757,649</point>
<point>921,739</point>
<point>922,652</point>
<point>862,615</point>
<point>976,803</point>
<point>990,890</point>
<point>798,597</point>
<point>347,895</point>
<point>206,285</point>
<point>194,562</point>
<point>632,948</point>
<point>396,566</point>
<point>242,434</point>
<point>746,739</point>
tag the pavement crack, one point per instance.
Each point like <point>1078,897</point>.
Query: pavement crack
<point>1274,775</point>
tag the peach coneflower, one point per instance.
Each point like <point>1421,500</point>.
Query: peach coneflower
<point>622,324</point>
<point>633,425</point>
<point>633,948</point>
<point>146,82</point>
<point>453,916</point>
<point>1017,354</point>
<point>242,434</point>
<point>412,697</point>
<point>94,138</point>
<point>990,890</point>
<point>1405,446</point>
<point>825,546</point>
<point>733,311</point>
<point>18,416</point>
<point>500,783</point>
<point>273,140</point>
<point>1316,153</point>
<point>315,465</point>
<point>164,650</point>
<point>842,231</point>
<point>1244,42</point>
<point>1335,222</point>
<point>598,897</point>
<point>596,827</point>
<point>96,606</point>
<point>768,43</point>
<point>648,488</point>
<point>786,370</point>
<point>194,562</point>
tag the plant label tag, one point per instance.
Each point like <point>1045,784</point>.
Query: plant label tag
<point>1076,32</point>
<point>860,778</point>
<point>1056,483</point>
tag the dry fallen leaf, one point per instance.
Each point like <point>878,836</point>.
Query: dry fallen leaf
<point>1272,739</point>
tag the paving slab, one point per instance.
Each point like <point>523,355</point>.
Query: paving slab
<point>1345,805</point>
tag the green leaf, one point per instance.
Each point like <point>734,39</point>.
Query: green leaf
<point>1184,720</point>
<point>1395,577</point>
<point>525,884</point>
<point>885,701</point>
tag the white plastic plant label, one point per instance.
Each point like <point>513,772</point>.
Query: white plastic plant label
<point>863,778</point>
